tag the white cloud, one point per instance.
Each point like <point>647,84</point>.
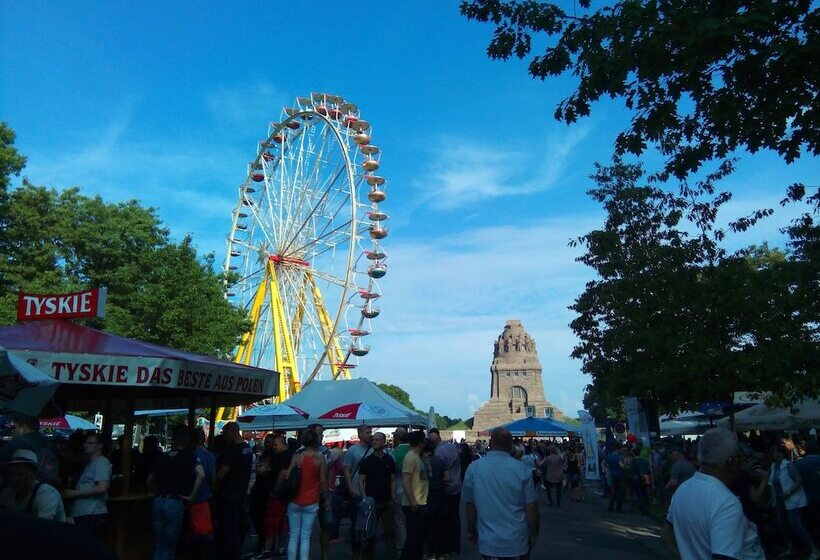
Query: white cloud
<point>446,299</point>
<point>463,172</point>
<point>445,303</point>
<point>191,183</point>
<point>247,103</point>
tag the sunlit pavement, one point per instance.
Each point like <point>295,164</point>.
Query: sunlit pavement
<point>575,531</point>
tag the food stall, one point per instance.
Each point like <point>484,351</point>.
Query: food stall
<point>100,371</point>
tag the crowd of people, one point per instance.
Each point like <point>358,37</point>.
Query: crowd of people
<point>768,485</point>
<point>406,492</point>
<point>210,500</point>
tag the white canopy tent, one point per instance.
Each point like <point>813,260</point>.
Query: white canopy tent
<point>684,423</point>
<point>319,397</point>
<point>803,415</point>
<point>683,427</point>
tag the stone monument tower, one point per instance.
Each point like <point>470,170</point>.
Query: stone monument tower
<point>515,382</point>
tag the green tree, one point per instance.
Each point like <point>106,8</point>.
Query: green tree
<point>397,393</point>
<point>701,78</point>
<point>11,161</point>
<point>674,319</point>
<point>442,422</point>
<point>602,406</point>
<point>158,290</point>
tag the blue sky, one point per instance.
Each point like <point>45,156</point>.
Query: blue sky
<point>165,102</point>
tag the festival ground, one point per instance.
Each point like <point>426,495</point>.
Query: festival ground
<point>575,531</point>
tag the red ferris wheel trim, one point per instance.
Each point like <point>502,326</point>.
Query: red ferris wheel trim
<point>288,260</point>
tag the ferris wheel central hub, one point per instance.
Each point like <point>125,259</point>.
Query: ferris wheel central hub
<point>277,259</point>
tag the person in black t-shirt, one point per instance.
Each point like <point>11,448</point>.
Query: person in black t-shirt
<point>176,478</point>
<point>261,489</point>
<point>377,480</point>
<point>233,475</point>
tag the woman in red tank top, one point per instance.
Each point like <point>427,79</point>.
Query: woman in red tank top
<point>303,509</point>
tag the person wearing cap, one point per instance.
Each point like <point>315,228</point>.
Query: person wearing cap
<point>25,494</point>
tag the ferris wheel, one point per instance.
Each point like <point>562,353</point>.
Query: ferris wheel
<point>304,250</point>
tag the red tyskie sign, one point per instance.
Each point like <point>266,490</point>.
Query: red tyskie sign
<point>88,303</point>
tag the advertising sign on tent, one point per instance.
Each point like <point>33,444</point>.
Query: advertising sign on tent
<point>87,362</point>
<point>590,438</point>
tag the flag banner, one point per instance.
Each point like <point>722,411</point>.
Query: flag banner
<point>590,439</point>
<point>636,417</point>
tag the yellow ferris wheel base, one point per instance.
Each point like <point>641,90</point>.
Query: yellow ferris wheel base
<point>285,333</point>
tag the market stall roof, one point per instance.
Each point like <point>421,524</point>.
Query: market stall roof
<point>532,427</point>
<point>319,397</point>
<point>803,415</point>
<point>93,367</point>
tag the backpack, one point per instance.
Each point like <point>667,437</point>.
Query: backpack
<point>288,487</point>
<point>338,482</point>
<point>30,506</point>
<point>366,519</point>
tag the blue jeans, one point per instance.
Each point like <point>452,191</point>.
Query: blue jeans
<point>353,513</point>
<point>336,500</point>
<point>301,520</point>
<point>167,521</point>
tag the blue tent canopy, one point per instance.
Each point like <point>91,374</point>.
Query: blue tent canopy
<point>534,427</point>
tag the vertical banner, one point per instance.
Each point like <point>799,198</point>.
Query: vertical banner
<point>590,438</point>
<point>636,417</point>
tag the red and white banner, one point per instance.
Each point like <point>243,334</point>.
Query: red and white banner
<point>75,305</point>
<point>359,411</point>
<point>141,371</point>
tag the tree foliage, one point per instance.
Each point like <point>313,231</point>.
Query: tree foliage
<point>702,78</point>
<point>442,421</point>
<point>397,393</point>
<point>11,161</point>
<point>158,290</point>
<point>675,319</point>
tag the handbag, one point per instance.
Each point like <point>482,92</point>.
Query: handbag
<point>288,487</point>
<point>201,522</point>
<point>365,524</point>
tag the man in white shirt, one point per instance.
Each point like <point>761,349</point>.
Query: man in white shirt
<point>705,520</point>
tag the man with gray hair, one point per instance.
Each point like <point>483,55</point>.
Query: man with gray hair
<point>705,520</point>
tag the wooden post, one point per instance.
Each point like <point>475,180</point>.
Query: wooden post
<point>191,412</point>
<point>107,425</point>
<point>212,425</point>
<point>127,446</point>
